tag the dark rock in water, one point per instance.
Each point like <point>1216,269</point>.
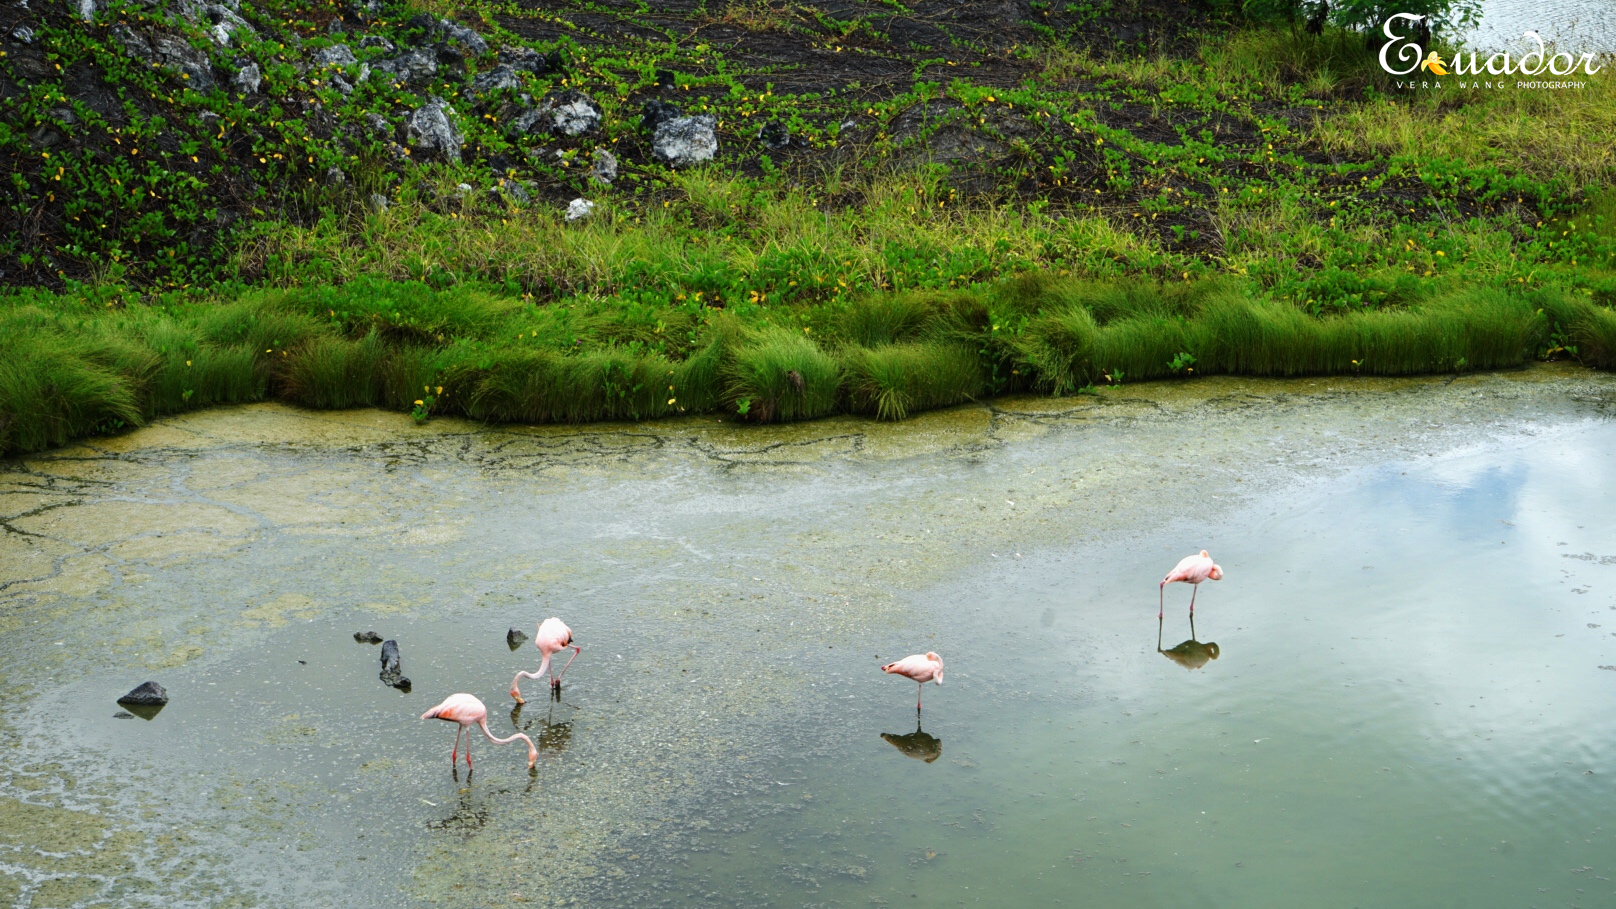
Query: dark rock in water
<point>655,113</point>
<point>684,141</point>
<point>367,637</point>
<point>515,638</point>
<point>149,694</point>
<point>774,135</point>
<point>123,715</point>
<point>392,672</point>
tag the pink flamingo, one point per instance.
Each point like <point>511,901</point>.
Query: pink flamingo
<point>918,668</point>
<point>1191,570</point>
<point>553,637</point>
<point>466,709</point>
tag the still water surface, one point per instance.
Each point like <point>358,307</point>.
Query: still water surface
<point>1583,25</point>
<point>1411,702</point>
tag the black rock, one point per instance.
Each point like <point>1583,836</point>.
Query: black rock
<point>666,79</point>
<point>367,637</point>
<point>123,715</point>
<point>392,673</point>
<point>656,113</point>
<point>447,55</point>
<point>149,694</point>
<point>515,638</point>
<point>774,135</point>
<point>423,24</point>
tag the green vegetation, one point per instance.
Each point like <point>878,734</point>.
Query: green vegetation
<point>70,366</point>
<point>1027,207</point>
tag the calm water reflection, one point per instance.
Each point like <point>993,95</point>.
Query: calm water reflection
<point>918,744</point>
<point>1585,25</point>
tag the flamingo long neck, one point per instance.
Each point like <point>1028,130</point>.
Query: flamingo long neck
<point>544,665</point>
<point>505,741</point>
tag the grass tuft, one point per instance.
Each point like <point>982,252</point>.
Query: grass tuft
<point>777,375</point>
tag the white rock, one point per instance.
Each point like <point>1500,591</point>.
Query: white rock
<point>579,209</point>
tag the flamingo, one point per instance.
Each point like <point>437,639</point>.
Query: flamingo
<point>1191,570</point>
<point>918,668</point>
<point>553,637</point>
<point>466,709</point>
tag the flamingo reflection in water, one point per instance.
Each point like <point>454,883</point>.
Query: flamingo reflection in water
<point>920,745</point>
<point>553,735</point>
<point>1191,654</point>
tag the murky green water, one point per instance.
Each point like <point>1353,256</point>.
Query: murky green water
<point>1407,707</point>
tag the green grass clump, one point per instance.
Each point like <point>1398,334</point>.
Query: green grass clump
<point>53,390</point>
<point>777,375</point>
<point>895,380</point>
<point>332,373</point>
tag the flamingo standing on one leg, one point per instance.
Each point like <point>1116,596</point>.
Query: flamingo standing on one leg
<point>919,668</point>
<point>466,709</point>
<point>553,637</point>
<point>1191,570</point>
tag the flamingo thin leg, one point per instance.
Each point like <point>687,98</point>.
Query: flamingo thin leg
<point>555,680</point>
<point>1194,589</point>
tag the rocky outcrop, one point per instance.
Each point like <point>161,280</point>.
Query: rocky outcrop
<point>410,67</point>
<point>335,55</point>
<point>500,78</point>
<point>170,52</point>
<point>430,129</point>
<point>657,112</point>
<point>367,637</point>
<point>685,141</point>
<point>571,112</point>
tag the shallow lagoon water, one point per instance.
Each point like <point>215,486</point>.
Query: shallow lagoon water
<point>1571,25</point>
<point>1407,702</point>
